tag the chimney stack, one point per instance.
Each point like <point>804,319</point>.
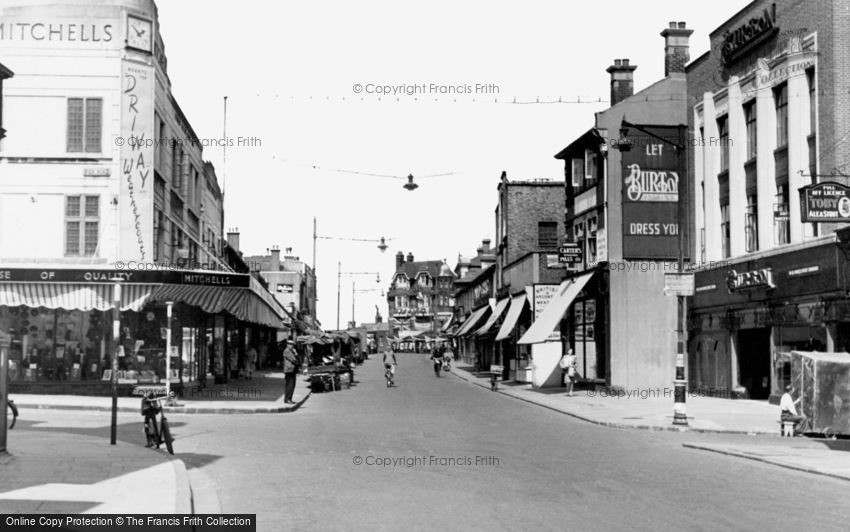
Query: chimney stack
<point>399,260</point>
<point>676,48</point>
<point>409,257</point>
<point>485,245</point>
<point>622,80</point>
<point>233,238</point>
<point>275,264</point>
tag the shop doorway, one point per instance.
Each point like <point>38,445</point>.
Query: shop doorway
<point>754,361</point>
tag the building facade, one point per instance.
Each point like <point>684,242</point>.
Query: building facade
<point>290,279</point>
<point>624,198</point>
<point>5,73</point>
<point>768,105</point>
<point>420,296</point>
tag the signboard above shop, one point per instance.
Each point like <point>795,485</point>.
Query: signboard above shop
<point>570,253</point>
<point>126,275</point>
<point>825,202</point>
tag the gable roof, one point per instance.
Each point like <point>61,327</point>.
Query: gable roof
<point>411,269</point>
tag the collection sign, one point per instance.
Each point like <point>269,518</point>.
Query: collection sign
<point>652,189</point>
<point>825,202</point>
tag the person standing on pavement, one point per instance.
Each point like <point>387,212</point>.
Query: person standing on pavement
<point>290,369</point>
<point>568,366</point>
<point>789,412</point>
<point>250,361</point>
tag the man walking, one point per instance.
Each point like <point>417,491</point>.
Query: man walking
<point>290,369</point>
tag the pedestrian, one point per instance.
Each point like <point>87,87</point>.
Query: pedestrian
<point>789,412</point>
<point>250,361</point>
<point>290,370</point>
<point>568,367</point>
<point>262,355</point>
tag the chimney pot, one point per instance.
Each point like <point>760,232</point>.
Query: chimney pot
<point>399,260</point>
<point>409,257</point>
<point>682,25</point>
<point>622,80</point>
<point>672,24</point>
<point>676,48</point>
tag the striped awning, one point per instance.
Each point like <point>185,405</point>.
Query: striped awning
<point>71,296</point>
<point>494,317</point>
<point>241,303</point>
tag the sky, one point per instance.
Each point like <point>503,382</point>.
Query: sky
<point>305,86</point>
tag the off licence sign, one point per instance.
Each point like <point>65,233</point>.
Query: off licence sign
<point>570,253</point>
<point>825,202</point>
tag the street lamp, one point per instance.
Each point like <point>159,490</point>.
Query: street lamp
<point>625,144</point>
<point>382,246</point>
<point>339,275</point>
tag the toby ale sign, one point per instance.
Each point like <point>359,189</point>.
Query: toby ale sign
<point>825,202</point>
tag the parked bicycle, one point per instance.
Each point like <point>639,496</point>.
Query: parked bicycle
<point>14,409</point>
<point>157,433</point>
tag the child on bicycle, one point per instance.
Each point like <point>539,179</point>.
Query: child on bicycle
<point>150,408</point>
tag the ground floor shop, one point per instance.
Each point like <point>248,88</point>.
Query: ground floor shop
<point>746,318</point>
<point>181,328</point>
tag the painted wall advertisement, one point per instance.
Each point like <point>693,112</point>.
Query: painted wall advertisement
<point>653,183</point>
<point>543,294</point>
<point>136,152</point>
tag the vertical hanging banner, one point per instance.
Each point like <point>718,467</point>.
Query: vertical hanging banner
<point>136,152</point>
<point>653,185</point>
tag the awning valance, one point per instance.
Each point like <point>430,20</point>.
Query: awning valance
<point>517,304</point>
<point>554,311</point>
<point>473,321</point>
<point>74,296</point>
<point>497,313</point>
<point>241,303</point>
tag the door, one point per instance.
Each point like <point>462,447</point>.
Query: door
<point>754,361</point>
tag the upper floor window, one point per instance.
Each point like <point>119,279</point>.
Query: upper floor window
<point>82,225</point>
<point>590,167</point>
<point>750,118</point>
<point>780,99</point>
<point>725,231</point>
<point>177,169</point>
<point>85,125</point>
<point>547,234</point>
<point>578,173</point>
<point>723,140</point>
<point>751,232</point>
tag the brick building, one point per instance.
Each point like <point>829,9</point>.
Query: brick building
<point>769,107</point>
<point>290,279</point>
<point>420,296</point>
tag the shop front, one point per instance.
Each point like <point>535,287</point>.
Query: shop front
<point>748,315</point>
<point>61,325</point>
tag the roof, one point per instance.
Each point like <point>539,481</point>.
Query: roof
<point>589,136</point>
<point>5,72</point>
<point>411,269</point>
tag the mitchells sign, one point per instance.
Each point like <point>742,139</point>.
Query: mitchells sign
<point>755,30</point>
<point>825,202</point>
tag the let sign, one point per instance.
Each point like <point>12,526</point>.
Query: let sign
<point>569,253</point>
<point>825,202</point>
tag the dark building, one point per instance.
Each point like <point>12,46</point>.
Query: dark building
<point>5,73</point>
<point>769,108</point>
<point>420,296</point>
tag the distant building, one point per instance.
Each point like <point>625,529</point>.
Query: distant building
<point>290,279</point>
<point>420,294</point>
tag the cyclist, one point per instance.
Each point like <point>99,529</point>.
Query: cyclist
<point>437,358</point>
<point>390,363</point>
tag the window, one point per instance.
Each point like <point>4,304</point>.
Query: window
<point>85,125</point>
<point>547,234</point>
<point>751,234</point>
<point>781,216</point>
<point>578,173</point>
<point>813,107</point>
<point>780,98</point>
<point>723,140</point>
<point>177,169</point>
<point>591,240</point>
<point>82,225</point>
<point>158,233</point>
<point>724,231</point>
<point>590,167</point>
<point>750,118</point>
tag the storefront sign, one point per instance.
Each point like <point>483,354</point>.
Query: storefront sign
<point>135,207</point>
<point>570,253</point>
<point>97,172</point>
<point>755,30</point>
<point>38,31</point>
<point>602,245</point>
<point>679,284</point>
<point>749,280</point>
<point>653,185</point>
<point>543,294</point>
<point>236,280</point>
<point>825,202</point>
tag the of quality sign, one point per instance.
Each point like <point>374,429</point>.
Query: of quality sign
<point>825,202</point>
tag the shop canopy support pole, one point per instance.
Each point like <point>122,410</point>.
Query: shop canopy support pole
<point>116,339</point>
<point>168,307</point>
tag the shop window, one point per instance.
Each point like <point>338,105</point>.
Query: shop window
<point>82,225</point>
<point>85,125</point>
<point>750,118</point>
<point>725,245</point>
<point>723,140</point>
<point>751,233</point>
<point>780,100</point>
<point>781,216</point>
<point>547,234</point>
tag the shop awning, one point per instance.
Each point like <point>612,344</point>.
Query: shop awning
<point>517,304</point>
<point>473,320</point>
<point>449,323</point>
<point>554,311</point>
<point>494,317</point>
<point>74,296</point>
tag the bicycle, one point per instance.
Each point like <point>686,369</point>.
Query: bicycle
<point>157,435</point>
<point>14,409</point>
<point>388,374</point>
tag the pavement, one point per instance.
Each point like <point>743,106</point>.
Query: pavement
<point>263,394</point>
<point>652,409</point>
